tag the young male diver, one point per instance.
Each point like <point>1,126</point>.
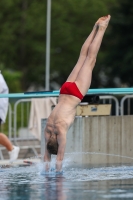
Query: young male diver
<point>71,94</point>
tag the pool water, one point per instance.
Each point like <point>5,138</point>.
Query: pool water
<point>76,183</point>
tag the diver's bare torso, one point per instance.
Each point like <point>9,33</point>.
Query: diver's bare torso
<point>62,115</point>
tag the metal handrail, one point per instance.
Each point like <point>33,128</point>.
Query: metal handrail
<point>15,127</point>
<point>15,117</point>
<point>14,112</point>
<point>116,102</point>
<point>122,103</point>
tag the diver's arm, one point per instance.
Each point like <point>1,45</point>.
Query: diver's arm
<point>61,150</point>
<point>47,155</point>
<point>47,159</point>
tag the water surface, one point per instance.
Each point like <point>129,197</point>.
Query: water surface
<point>83,182</point>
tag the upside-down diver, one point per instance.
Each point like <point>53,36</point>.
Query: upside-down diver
<point>71,94</point>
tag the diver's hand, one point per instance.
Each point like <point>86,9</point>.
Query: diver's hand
<point>58,166</point>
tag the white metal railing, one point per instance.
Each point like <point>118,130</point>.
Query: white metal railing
<point>13,118</point>
<point>27,137</point>
<point>22,115</point>
<point>104,98</point>
<point>127,97</point>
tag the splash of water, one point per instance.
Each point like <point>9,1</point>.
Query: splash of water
<point>98,153</point>
<point>84,153</point>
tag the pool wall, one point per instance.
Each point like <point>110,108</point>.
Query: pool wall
<point>99,136</point>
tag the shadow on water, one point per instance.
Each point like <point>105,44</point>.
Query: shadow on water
<point>76,182</point>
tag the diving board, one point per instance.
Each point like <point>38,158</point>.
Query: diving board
<point>55,93</point>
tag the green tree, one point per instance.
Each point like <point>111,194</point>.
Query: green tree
<point>120,58</point>
<point>23,37</point>
<point>72,21</point>
<point>12,79</point>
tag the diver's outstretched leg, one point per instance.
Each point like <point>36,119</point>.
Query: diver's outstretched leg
<point>83,54</point>
<point>83,79</point>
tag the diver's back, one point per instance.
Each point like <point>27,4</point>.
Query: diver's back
<point>64,111</point>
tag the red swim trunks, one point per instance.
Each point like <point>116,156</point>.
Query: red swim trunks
<point>71,88</point>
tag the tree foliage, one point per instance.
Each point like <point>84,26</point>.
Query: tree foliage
<point>12,78</point>
<point>23,39</point>
<point>72,21</point>
<point>120,57</point>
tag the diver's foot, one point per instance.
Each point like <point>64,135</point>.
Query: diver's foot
<point>103,21</point>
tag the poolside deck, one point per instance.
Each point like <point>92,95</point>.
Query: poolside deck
<point>19,162</point>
